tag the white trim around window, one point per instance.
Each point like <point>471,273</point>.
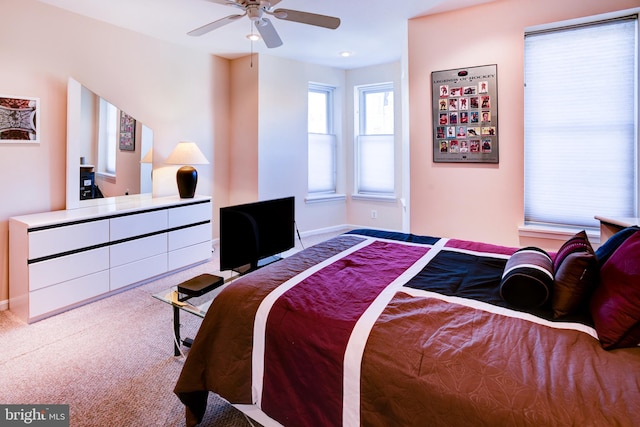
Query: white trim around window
<point>375,143</point>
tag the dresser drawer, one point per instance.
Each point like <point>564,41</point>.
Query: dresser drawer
<point>124,227</point>
<point>56,298</point>
<point>190,214</point>
<point>134,250</point>
<point>66,238</point>
<point>189,236</point>
<point>61,269</point>
<point>189,255</point>
<point>128,274</point>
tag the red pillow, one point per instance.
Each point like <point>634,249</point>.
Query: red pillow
<point>575,276</point>
<point>615,305</point>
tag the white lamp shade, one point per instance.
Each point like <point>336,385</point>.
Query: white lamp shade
<point>186,153</point>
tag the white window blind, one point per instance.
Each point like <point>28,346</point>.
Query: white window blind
<point>321,142</point>
<point>376,141</point>
<point>580,123</point>
<point>375,156</point>
<point>322,170</point>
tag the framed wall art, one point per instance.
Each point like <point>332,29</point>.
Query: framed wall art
<point>19,119</point>
<point>127,132</point>
<point>465,115</point>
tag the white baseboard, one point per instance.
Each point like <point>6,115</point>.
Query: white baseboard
<point>314,232</point>
<point>369,227</point>
<point>342,229</point>
<point>336,229</point>
<point>4,305</point>
<point>326,230</point>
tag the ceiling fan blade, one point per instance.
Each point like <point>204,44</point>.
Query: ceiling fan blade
<point>273,3</point>
<point>307,18</point>
<point>213,25</point>
<point>227,3</point>
<point>268,33</point>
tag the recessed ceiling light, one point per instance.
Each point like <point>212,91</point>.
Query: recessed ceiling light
<point>345,54</point>
<point>253,37</point>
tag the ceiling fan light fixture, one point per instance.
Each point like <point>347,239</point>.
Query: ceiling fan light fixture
<point>253,37</point>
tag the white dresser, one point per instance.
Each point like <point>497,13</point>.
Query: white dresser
<point>62,259</point>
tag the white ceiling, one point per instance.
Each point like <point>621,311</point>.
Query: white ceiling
<point>373,30</point>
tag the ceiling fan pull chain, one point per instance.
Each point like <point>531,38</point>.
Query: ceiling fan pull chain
<point>251,55</point>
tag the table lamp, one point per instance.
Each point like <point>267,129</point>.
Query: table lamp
<point>187,153</point>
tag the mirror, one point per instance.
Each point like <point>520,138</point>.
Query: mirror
<point>109,153</point>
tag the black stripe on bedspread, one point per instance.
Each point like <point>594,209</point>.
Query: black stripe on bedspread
<point>465,275</point>
<point>394,235</point>
<point>462,275</point>
<point>468,276</point>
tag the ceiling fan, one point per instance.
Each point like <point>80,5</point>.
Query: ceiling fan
<point>256,9</point>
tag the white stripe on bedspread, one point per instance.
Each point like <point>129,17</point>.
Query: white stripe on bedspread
<point>355,347</point>
<point>260,323</point>
<point>503,311</point>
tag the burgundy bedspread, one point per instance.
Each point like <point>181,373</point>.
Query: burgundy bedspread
<point>373,331</point>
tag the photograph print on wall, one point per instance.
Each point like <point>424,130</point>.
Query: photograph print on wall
<point>19,119</point>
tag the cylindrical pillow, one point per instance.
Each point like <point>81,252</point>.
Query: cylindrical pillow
<point>528,278</point>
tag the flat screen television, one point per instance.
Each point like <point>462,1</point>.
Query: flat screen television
<point>252,233</point>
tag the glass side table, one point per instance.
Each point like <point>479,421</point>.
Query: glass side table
<point>193,296</point>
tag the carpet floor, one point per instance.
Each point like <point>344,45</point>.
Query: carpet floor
<point>111,360</point>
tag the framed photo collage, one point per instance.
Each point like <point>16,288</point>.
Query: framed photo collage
<point>465,115</point>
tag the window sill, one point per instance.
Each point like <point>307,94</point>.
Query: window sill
<point>375,197</point>
<point>325,198</point>
<point>557,232</point>
<point>108,177</point>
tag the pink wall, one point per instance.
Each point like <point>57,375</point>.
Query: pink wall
<point>478,201</point>
<point>179,93</point>
<point>243,150</point>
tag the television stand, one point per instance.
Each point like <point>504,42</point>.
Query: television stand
<point>269,260</point>
<point>247,268</point>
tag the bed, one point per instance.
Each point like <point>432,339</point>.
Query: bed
<point>379,328</point>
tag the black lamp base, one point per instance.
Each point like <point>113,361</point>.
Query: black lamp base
<point>187,179</point>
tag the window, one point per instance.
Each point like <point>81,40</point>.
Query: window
<point>107,138</point>
<point>375,141</point>
<point>581,123</point>
<point>322,141</point>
